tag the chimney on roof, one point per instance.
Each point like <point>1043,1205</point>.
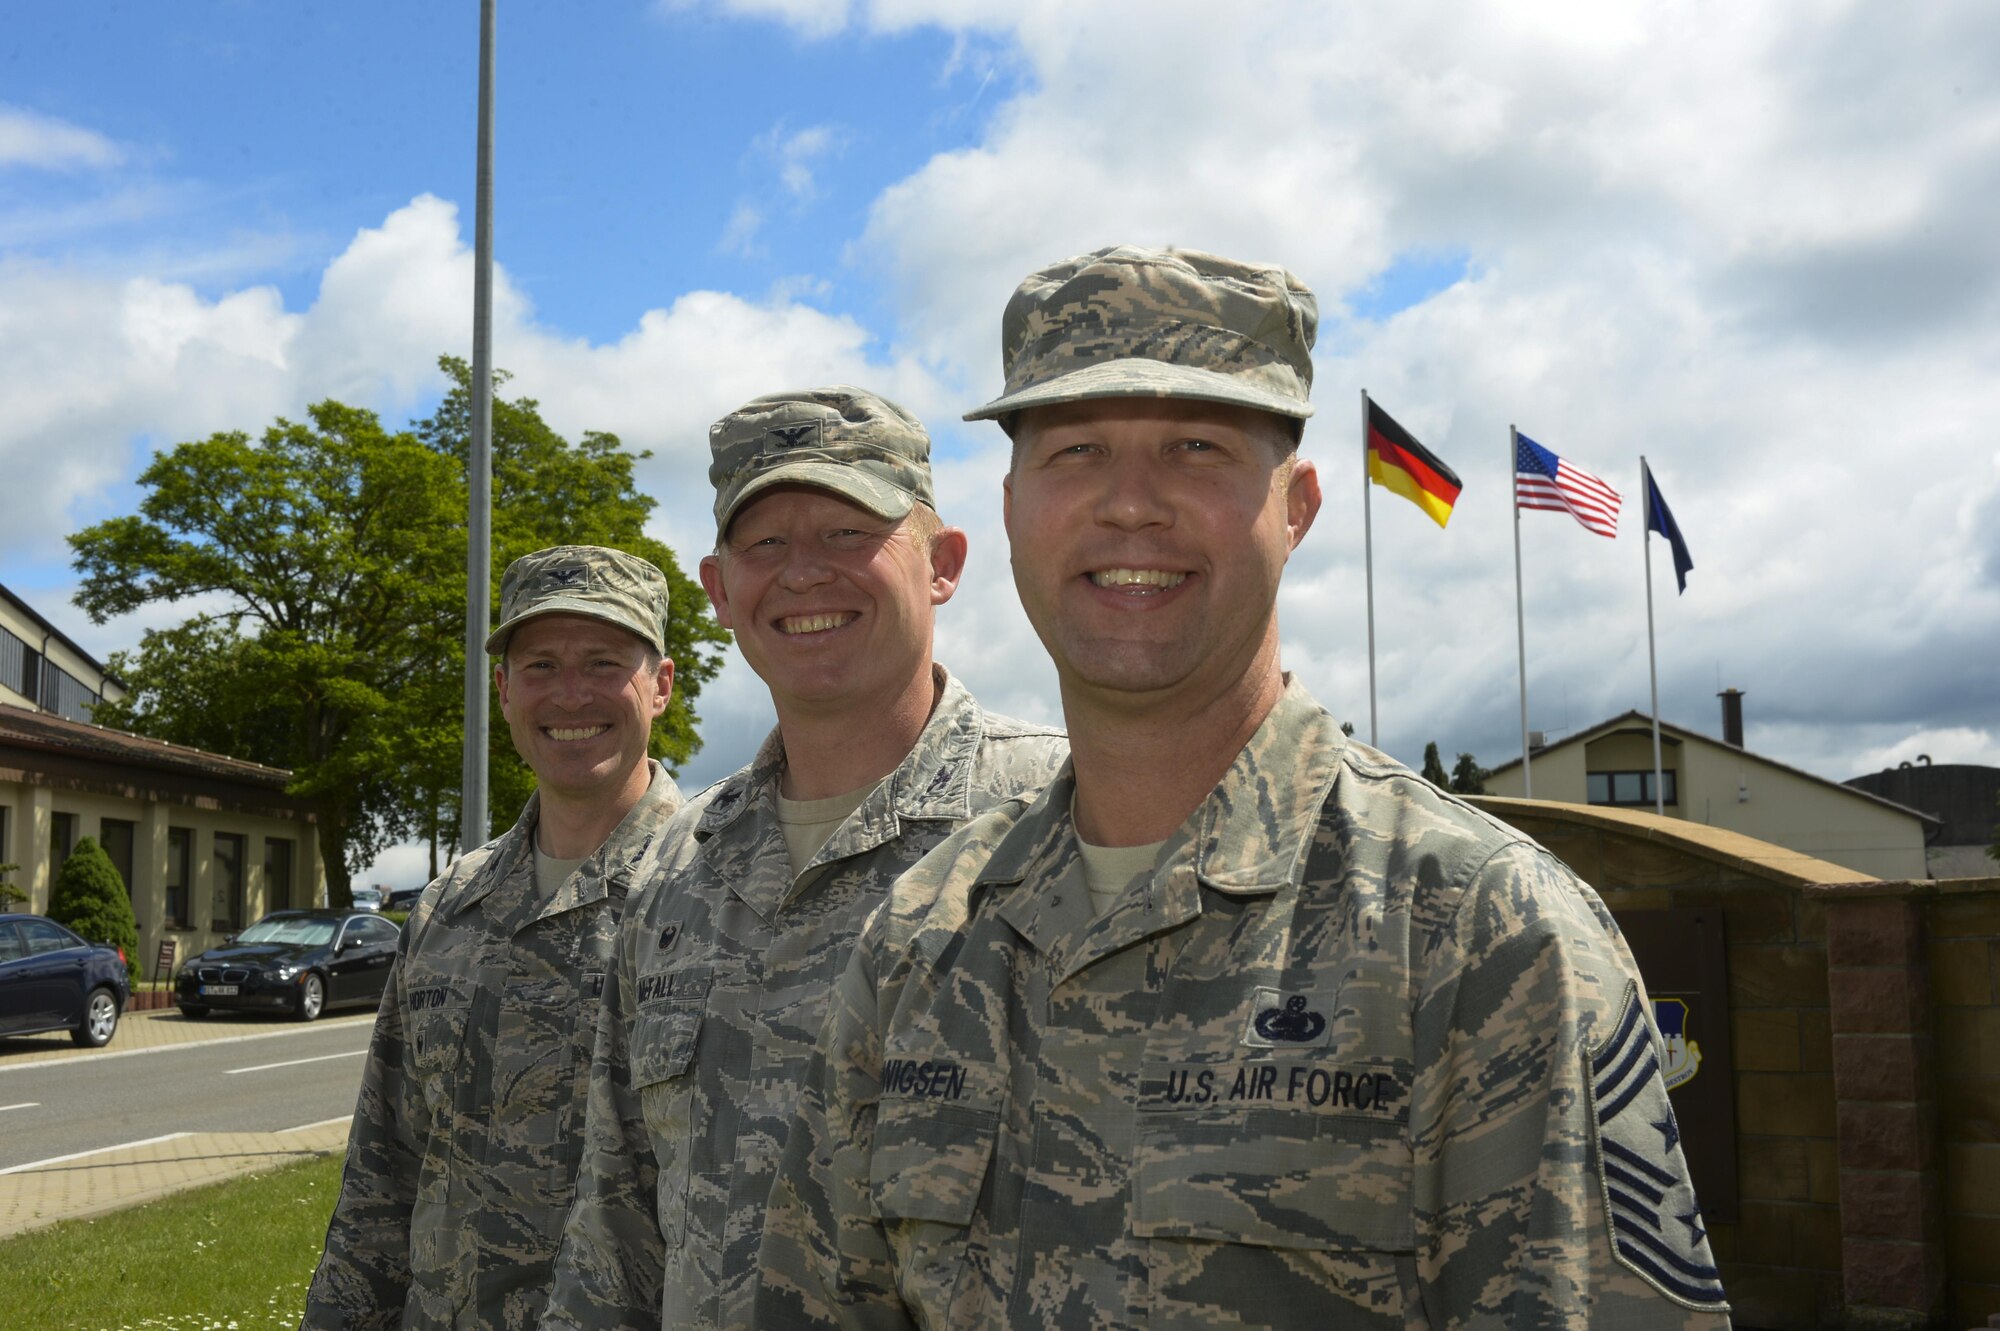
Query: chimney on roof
<point>1732,717</point>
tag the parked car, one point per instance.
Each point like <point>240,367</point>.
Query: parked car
<point>367,899</point>
<point>299,962</point>
<point>402,898</point>
<point>51,980</point>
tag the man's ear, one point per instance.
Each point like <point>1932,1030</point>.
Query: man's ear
<point>710,572</point>
<point>664,693</point>
<point>948,553</point>
<point>1301,500</point>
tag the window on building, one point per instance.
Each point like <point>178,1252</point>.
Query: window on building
<point>1635,788</point>
<point>118,836</point>
<point>6,843</point>
<point>62,840</point>
<point>277,873</point>
<point>14,663</point>
<point>228,899</point>
<point>180,873</point>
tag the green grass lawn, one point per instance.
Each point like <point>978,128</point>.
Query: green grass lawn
<point>232,1256</point>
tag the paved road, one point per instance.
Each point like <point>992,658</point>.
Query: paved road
<point>284,1076</point>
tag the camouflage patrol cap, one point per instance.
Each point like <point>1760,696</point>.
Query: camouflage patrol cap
<point>848,441</point>
<point>1132,322</point>
<point>588,580</point>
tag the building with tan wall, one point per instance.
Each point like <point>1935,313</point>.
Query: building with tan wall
<point>41,668</point>
<point>206,844</point>
<point>1721,784</point>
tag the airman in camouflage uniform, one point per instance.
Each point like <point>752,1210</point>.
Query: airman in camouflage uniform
<point>1343,1051</point>
<point>463,1154</point>
<point>725,961</point>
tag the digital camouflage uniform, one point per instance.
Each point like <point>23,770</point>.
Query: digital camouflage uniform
<point>714,1000</point>
<point>1355,1055</point>
<point>463,1154</point>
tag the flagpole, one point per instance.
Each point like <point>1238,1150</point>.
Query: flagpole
<point>1368,556</point>
<point>1520,616</point>
<point>1652,660</point>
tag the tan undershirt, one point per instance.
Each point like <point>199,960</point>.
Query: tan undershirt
<point>552,873</point>
<point>809,824</point>
<point>1109,870</point>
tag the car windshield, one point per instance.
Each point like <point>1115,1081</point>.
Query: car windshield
<point>296,929</point>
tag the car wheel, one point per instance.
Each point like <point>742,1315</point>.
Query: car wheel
<point>100,1020</point>
<point>312,997</point>
<point>192,1012</point>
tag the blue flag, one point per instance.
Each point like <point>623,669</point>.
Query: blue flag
<point>1660,518</point>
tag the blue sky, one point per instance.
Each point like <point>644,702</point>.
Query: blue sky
<point>1754,245</point>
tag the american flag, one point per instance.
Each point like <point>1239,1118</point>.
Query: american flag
<point>1543,480</point>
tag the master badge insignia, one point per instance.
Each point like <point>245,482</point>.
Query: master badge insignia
<point>1640,1168</point>
<point>1284,1021</point>
<point>1683,1054</point>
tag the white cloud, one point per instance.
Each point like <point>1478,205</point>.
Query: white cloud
<point>797,154</point>
<point>28,138</point>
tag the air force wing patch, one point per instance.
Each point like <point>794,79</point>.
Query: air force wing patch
<point>1656,1225</point>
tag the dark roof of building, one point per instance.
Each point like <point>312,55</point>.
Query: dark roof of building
<point>44,730</point>
<point>60,636</point>
<point>1965,797</point>
<point>1681,733</point>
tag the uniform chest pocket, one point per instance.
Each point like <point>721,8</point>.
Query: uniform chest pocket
<point>667,1029</point>
<point>926,1174</point>
<point>1276,1178</point>
<point>436,1027</point>
<point>1284,1208</point>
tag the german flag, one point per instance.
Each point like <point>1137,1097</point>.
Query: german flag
<point>1396,461</point>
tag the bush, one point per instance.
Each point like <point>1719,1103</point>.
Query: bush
<point>91,899</point>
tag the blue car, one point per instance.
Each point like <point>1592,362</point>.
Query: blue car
<point>51,980</point>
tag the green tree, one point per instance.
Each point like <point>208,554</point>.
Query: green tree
<point>1434,767</point>
<point>1468,777</point>
<point>1994,849</point>
<point>91,899</point>
<point>331,554</point>
<point>546,492</point>
<point>10,895</point>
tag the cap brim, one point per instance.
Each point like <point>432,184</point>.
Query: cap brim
<point>496,641</point>
<point>878,496</point>
<point>1140,377</point>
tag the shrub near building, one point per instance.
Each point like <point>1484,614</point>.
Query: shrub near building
<point>91,899</point>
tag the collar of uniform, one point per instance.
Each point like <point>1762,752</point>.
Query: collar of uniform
<point>736,794</point>
<point>1252,833</point>
<point>1248,836</point>
<point>934,780</point>
<point>609,871</point>
<point>514,848</point>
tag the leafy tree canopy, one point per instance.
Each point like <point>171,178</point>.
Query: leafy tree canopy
<point>1468,777</point>
<point>328,558</point>
<point>1434,767</point>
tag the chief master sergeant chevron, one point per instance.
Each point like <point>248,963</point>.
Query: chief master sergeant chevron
<point>1238,1023</point>
<point>464,1149</point>
<point>830,564</point>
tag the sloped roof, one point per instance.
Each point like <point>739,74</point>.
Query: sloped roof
<point>46,731</point>
<point>59,635</point>
<point>1636,717</point>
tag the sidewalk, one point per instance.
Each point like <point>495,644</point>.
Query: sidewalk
<point>93,1182</point>
<point>76,1187</point>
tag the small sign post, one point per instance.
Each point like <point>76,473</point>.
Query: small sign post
<point>163,965</point>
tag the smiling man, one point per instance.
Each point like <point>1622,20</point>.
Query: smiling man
<point>464,1150</point>
<point>830,564</point>
<point>1238,1023</point>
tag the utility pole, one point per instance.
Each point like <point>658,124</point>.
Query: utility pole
<point>472,827</point>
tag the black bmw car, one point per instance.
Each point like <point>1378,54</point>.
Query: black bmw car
<point>51,980</point>
<point>299,962</point>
